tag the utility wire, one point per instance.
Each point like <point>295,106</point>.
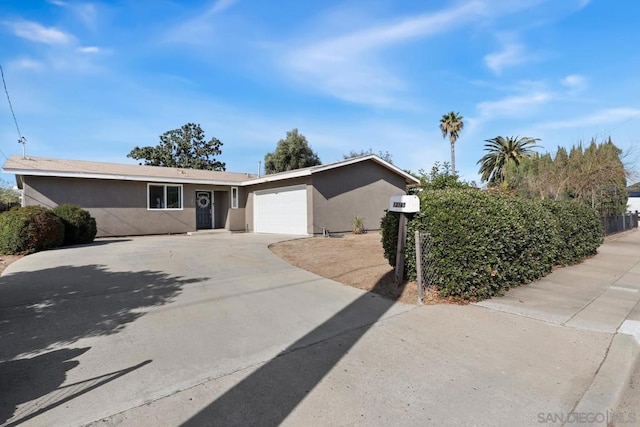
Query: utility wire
<point>21,139</point>
<point>619,125</point>
<point>9,100</point>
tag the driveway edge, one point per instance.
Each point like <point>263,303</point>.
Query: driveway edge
<point>605,394</point>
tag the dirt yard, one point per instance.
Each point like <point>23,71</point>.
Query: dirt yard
<point>355,259</point>
<point>5,260</point>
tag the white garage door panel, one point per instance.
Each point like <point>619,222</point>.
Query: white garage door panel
<point>281,210</point>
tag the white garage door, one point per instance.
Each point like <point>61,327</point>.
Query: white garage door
<point>281,210</point>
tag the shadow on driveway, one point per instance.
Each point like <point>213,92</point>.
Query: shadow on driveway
<point>268,395</point>
<point>51,308</point>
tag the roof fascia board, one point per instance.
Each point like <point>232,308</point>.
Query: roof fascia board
<point>29,172</point>
<point>261,180</point>
<point>369,157</point>
<point>278,177</point>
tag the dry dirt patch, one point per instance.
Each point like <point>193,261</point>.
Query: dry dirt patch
<point>355,259</point>
<point>5,260</point>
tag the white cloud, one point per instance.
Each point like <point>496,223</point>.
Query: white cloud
<point>87,13</point>
<point>348,66</point>
<point>575,82</point>
<point>89,49</point>
<point>513,105</point>
<point>38,33</point>
<point>512,54</point>
<point>602,117</point>
<point>221,6</point>
<point>27,64</point>
<point>201,28</point>
<point>385,35</point>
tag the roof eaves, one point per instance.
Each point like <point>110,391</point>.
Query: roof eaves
<point>278,177</point>
<point>30,172</point>
<point>408,177</point>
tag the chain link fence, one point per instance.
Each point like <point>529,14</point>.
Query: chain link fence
<point>617,223</point>
<point>425,267</point>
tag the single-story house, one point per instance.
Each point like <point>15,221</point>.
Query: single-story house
<point>137,200</point>
<point>633,203</point>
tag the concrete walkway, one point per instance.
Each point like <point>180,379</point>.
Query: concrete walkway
<point>599,294</point>
<point>216,330</point>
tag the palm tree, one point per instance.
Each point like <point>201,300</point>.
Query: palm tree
<point>500,151</point>
<point>451,124</point>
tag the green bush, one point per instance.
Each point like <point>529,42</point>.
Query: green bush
<point>389,230</point>
<point>79,225</point>
<point>579,228</point>
<point>483,243</point>
<point>29,229</point>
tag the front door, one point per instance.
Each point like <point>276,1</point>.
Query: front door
<point>204,209</point>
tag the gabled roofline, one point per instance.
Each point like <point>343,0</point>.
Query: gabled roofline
<point>31,172</point>
<point>296,173</point>
<point>267,178</point>
<point>321,168</point>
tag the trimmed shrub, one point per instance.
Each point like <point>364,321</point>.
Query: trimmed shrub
<point>389,231</point>
<point>79,225</point>
<point>29,229</point>
<point>579,228</point>
<point>483,243</point>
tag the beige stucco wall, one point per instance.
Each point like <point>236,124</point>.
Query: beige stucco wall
<point>361,189</point>
<point>334,198</point>
<point>120,207</point>
<point>236,220</point>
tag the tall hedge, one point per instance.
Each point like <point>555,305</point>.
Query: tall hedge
<point>579,228</point>
<point>79,225</point>
<point>483,243</point>
<point>29,229</point>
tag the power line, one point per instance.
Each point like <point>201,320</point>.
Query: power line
<point>619,125</point>
<point>9,100</point>
<point>21,139</point>
<point>635,116</point>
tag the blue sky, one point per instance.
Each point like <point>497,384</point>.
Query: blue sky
<point>91,80</point>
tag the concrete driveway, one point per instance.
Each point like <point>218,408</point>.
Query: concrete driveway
<point>216,330</point>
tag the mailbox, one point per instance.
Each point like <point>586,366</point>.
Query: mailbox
<point>406,204</point>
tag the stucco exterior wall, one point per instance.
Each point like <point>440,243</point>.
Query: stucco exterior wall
<point>119,207</point>
<point>362,189</point>
<point>236,220</point>
<point>221,209</point>
<point>334,198</point>
<point>285,183</point>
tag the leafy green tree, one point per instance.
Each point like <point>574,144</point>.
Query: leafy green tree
<point>451,124</point>
<point>384,155</point>
<point>185,147</point>
<point>440,177</point>
<point>598,177</point>
<point>8,195</point>
<point>500,152</point>
<point>293,152</point>
<point>595,176</point>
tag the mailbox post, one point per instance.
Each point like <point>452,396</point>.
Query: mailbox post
<point>404,205</point>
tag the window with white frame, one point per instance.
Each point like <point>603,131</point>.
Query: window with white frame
<point>164,196</point>
<point>234,197</point>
